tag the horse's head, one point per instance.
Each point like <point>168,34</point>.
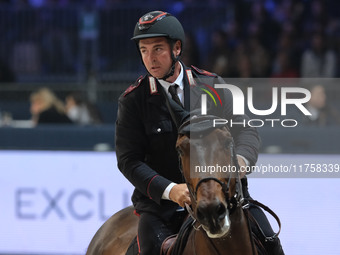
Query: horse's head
<point>210,169</point>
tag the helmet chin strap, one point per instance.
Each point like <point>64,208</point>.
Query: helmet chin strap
<point>172,68</point>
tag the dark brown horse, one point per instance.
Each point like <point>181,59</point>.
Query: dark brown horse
<point>211,172</point>
<point>219,211</point>
<point>115,235</point>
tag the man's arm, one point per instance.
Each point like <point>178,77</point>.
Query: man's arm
<point>131,146</point>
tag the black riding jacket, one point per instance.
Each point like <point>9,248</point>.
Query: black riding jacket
<point>146,136</point>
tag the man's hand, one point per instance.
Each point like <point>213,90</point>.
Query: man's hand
<point>180,194</point>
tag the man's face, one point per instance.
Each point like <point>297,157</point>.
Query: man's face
<point>156,55</point>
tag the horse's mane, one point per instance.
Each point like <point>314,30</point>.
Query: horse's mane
<point>198,125</point>
<point>182,237</point>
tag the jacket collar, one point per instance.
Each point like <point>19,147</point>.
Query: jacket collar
<point>189,92</point>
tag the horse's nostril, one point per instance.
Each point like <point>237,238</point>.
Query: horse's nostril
<point>220,211</point>
<point>200,214</point>
<point>212,211</point>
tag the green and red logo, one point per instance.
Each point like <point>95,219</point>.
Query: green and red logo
<point>213,94</point>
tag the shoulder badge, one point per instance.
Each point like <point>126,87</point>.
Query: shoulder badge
<point>203,72</point>
<point>134,86</point>
<point>190,77</point>
<point>153,86</point>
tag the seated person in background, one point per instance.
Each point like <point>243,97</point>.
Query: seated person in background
<point>80,110</point>
<point>47,108</point>
<point>323,114</point>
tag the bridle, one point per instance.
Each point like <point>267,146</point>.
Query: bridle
<point>237,199</point>
<point>201,126</point>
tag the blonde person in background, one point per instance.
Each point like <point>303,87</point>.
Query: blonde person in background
<point>47,108</point>
<point>80,110</point>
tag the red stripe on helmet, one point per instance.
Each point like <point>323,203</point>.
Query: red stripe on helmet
<point>151,21</point>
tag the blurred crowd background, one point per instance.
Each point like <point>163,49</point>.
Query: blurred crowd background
<point>82,49</point>
<point>244,38</point>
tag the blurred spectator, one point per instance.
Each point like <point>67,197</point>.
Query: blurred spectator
<point>190,55</point>
<point>259,58</point>
<point>219,57</point>
<point>323,114</point>
<point>43,42</point>
<point>317,17</point>
<point>288,44</point>
<point>283,67</point>
<point>262,26</point>
<point>244,69</point>
<point>47,108</point>
<point>318,61</point>
<point>80,110</point>
<point>232,29</point>
<point>241,63</point>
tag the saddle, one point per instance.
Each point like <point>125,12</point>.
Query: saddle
<point>168,245</point>
<point>174,245</point>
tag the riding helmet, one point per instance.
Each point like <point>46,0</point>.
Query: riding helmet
<point>156,24</point>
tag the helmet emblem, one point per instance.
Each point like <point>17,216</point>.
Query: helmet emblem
<point>149,19</point>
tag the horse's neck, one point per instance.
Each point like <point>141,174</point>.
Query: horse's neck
<point>237,241</point>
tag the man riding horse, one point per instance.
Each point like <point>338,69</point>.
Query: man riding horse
<point>146,134</point>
